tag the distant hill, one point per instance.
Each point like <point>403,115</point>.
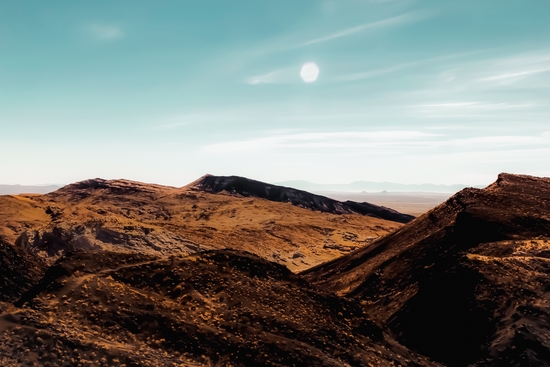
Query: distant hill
<point>246,187</point>
<point>369,186</point>
<point>133,217</point>
<point>21,189</point>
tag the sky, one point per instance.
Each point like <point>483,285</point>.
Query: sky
<point>407,91</point>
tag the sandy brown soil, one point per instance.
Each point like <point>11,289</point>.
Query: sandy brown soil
<point>132,217</point>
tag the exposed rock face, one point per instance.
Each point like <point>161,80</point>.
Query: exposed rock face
<point>467,283</point>
<point>220,308</point>
<point>52,243</point>
<point>242,186</point>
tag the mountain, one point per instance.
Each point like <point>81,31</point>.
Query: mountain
<point>465,284</point>
<point>20,189</point>
<point>216,308</point>
<point>468,283</point>
<point>245,187</point>
<point>133,217</point>
<point>370,186</point>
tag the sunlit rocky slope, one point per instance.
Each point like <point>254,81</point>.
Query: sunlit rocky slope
<point>133,217</point>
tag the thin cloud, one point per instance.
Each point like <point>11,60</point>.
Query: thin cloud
<point>280,76</point>
<point>386,142</point>
<point>497,73</point>
<point>289,43</point>
<point>105,32</point>
<point>474,105</point>
<point>386,23</point>
<point>378,72</point>
<point>514,75</point>
<point>349,139</point>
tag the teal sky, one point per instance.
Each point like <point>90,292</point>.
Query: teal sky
<point>409,91</point>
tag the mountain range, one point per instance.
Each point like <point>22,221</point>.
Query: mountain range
<point>371,186</point>
<point>113,273</point>
<point>20,189</point>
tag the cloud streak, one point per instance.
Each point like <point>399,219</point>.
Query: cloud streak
<point>386,142</point>
<point>386,23</point>
<point>321,140</point>
<point>280,76</point>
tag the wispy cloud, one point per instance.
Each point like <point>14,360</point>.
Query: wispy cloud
<point>473,106</point>
<point>380,142</point>
<point>266,114</point>
<point>386,23</point>
<point>370,73</point>
<point>497,73</point>
<point>280,76</point>
<point>347,139</point>
<point>289,42</point>
<point>513,75</point>
<point>106,32</point>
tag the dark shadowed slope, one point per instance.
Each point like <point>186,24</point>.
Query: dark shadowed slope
<point>219,308</point>
<point>246,187</point>
<point>467,283</point>
<point>18,272</point>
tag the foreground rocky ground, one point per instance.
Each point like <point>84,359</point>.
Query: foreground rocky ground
<point>222,307</point>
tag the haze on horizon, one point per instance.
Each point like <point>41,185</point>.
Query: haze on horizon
<point>408,91</point>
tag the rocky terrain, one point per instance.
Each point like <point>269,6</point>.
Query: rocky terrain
<point>133,217</point>
<point>216,308</point>
<point>467,283</point>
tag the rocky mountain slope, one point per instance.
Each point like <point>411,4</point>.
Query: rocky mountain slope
<point>18,272</point>
<point>251,188</point>
<point>217,308</point>
<point>467,283</point>
<point>132,217</point>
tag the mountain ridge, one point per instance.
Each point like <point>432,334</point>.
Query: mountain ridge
<point>243,186</point>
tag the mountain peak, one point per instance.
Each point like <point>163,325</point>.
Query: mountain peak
<point>118,186</point>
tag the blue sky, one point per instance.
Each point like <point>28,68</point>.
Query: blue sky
<point>408,91</point>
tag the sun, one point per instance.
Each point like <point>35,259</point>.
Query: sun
<point>309,72</point>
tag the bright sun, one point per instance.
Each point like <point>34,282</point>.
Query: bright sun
<point>309,72</point>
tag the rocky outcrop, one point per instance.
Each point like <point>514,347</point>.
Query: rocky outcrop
<point>57,240</point>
